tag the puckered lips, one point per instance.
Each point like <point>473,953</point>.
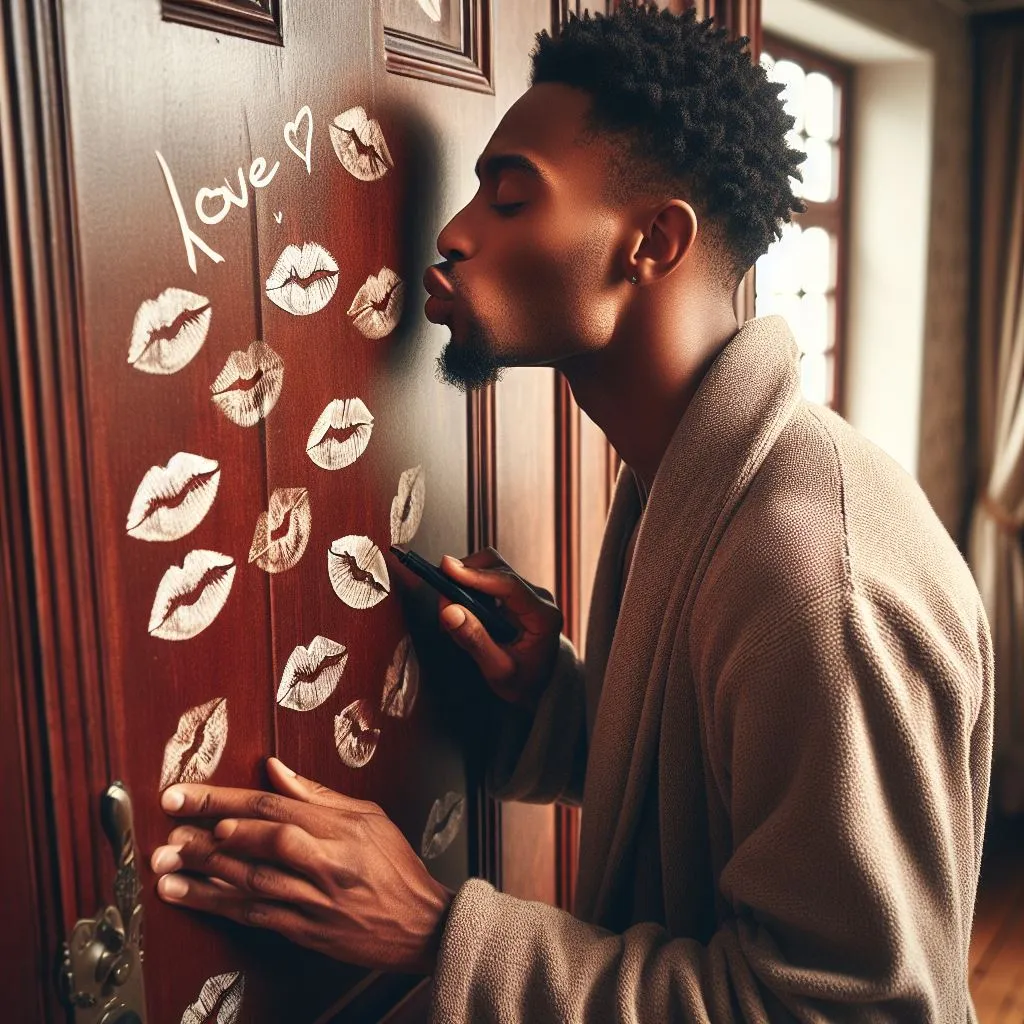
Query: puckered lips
<point>440,295</point>
<point>377,306</point>
<point>341,433</point>
<point>401,681</point>
<point>442,825</point>
<point>311,674</point>
<point>193,752</point>
<point>169,330</point>
<point>407,505</point>
<point>303,280</point>
<point>360,146</point>
<point>354,734</point>
<point>357,571</point>
<point>189,598</point>
<point>282,532</point>
<point>219,1002</point>
<point>172,500</point>
<point>248,387</point>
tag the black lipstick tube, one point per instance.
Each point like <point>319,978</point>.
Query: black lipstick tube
<point>482,605</point>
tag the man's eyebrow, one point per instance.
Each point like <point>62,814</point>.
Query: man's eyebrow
<point>511,161</point>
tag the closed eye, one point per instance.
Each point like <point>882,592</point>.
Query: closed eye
<point>506,209</point>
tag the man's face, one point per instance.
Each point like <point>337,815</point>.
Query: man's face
<point>530,257</point>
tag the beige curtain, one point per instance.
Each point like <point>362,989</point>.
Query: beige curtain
<point>996,527</point>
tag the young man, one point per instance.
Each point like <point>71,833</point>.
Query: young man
<point>781,737</point>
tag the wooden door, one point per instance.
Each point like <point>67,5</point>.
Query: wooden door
<point>211,401</point>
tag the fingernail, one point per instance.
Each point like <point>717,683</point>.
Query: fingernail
<point>453,616</point>
<point>224,828</point>
<point>455,561</point>
<point>173,886</point>
<point>173,800</point>
<point>165,858</point>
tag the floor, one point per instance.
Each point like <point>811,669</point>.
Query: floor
<point>997,942</point>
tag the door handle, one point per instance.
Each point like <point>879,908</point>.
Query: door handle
<point>100,976</point>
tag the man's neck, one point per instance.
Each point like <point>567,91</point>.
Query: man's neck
<point>637,389</point>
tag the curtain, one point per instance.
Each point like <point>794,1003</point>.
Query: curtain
<point>995,534</point>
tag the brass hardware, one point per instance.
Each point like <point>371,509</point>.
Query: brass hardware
<point>100,977</point>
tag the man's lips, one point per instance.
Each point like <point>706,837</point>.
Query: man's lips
<point>438,311</point>
<point>438,307</point>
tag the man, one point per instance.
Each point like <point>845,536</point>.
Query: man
<point>781,738</point>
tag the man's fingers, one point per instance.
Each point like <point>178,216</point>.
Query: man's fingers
<point>298,787</point>
<point>190,800</point>
<point>465,629</point>
<point>501,583</point>
<point>485,558</point>
<point>288,845</point>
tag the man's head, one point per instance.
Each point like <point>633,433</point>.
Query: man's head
<point>647,146</point>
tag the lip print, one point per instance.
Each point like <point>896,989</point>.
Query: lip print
<point>432,9</point>
<point>360,145</point>
<point>407,505</point>
<point>169,330</point>
<point>354,736</point>
<point>219,1002</point>
<point>442,825</point>
<point>357,571</point>
<point>282,532</point>
<point>303,280</point>
<point>193,752</point>
<point>190,598</point>
<point>172,500</point>
<point>340,434</point>
<point>401,681</point>
<point>248,387</point>
<point>377,307</point>
<point>311,674</point>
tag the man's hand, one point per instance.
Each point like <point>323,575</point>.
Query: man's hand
<point>516,672</point>
<point>325,870</point>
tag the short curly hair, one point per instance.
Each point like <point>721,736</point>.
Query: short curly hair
<point>693,110</point>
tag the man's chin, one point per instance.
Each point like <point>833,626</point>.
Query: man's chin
<point>467,367</point>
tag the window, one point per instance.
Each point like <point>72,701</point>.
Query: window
<point>801,275</point>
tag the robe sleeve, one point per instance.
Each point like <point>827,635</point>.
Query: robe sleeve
<point>851,737</point>
<point>541,757</point>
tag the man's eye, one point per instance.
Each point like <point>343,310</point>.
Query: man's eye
<point>506,209</point>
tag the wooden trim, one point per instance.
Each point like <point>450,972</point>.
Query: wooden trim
<point>46,490</point>
<point>258,20</point>
<point>481,437</point>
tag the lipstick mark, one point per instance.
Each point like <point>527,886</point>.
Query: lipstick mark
<point>377,306</point>
<point>401,681</point>
<point>341,433</point>
<point>189,598</point>
<point>354,735</point>
<point>442,825</point>
<point>432,9</point>
<point>219,1002</point>
<point>194,751</point>
<point>303,280</point>
<point>282,532</point>
<point>248,387</point>
<point>357,571</point>
<point>407,505</point>
<point>311,674</point>
<point>172,500</point>
<point>360,146</point>
<point>168,331</point>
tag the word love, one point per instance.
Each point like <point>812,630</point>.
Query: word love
<point>207,199</point>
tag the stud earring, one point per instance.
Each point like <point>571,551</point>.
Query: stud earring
<point>632,280</point>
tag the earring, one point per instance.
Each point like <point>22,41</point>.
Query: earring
<point>632,280</point>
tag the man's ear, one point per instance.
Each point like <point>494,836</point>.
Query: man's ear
<point>668,236</point>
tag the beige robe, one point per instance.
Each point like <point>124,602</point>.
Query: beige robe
<point>782,743</point>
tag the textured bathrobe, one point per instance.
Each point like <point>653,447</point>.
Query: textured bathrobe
<point>781,742</point>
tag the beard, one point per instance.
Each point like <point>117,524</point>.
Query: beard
<point>471,363</point>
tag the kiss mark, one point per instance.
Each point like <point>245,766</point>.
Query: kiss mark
<point>189,598</point>
<point>354,735</point>
<point>291,134</point>
<point>282,532</point>
<point>340,434</point>
<point>377,307</point>
<point>442,825</point>
<point>248,387</point>
<point>360,145</point>
<point>168,331</point>
<point>219,1002</point>
<point>172,501</point>
<point>357,571</point>
<point>193,752</point>
<point>401,681</point>
<point>278,216</point>
<point>432,8</point>
<point>311,674</point>
<point>303,280</point>
<point>407,505</point>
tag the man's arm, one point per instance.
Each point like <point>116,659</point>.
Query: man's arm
<point>851,738</point>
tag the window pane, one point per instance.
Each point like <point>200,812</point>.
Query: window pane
<point>817,261</point>
<point>814,328</point>
<point>819,170</point>
<point>820,103</point>
<point>781,303</point>
<point>816,378</point>
<point>794,140</point>
<point>767,61</point>
<point>792,77</point>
